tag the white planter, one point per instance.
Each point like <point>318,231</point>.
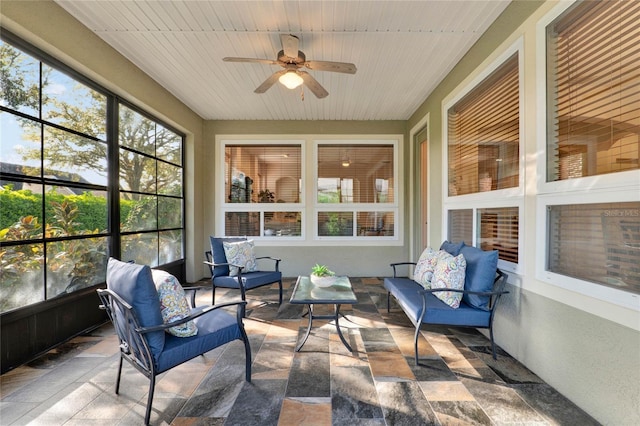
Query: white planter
<point>322,281</point>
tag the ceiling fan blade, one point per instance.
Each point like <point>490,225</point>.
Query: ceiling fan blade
<point>266,85</point>
<point>343,67</point>
<point>313,85</point>
<point>290,45</point>
<point>261,61</point>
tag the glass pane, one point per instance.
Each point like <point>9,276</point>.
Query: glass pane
<point>137,172</point>
<point>280,224</point>
<point>74,211</point>
<point>168,145</point>
<point>169,179</point>
<point>375,224</point>
<point>350,173</point>
<point>73,158</point>
<point>22,275</point>
<point>20,145</point>
<point>263,173</point>
<point>593,108</point>
<point>139,213</point>
<point>21,91</point>
<point>335,224</point>
<point>484,134</point>
<point>460,226</point>
<point>169,212</point>
<point>75,264</point>
<point>136,131</point>
<point>240,224</point>
<point>498,230</point>
<point>141,248</point>
<point>596,242</point>
<point>20,211</point>
<point>170,246</point>
<point>70,104</point>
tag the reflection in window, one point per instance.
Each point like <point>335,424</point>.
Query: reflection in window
<point>335,224</point>
<point>375,224</point>
<point>596,242</point>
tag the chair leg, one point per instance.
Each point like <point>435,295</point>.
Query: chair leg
<point>388,302</point>
<point>152,386</point>
<point>118,376</point>
<point>415,343</point>
<point>213,294</point>
<point>493,343</point>
<point>280,298</point>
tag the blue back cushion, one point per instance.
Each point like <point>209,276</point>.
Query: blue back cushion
<point>452,248</point>
<point>217,251</point>
<point>134,283</point>
<point>480,274</point>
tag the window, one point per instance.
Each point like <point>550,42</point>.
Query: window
<point>361,175</point>
<point>151,190</point>
<point>593,90</point>
<point>57,227</point>
<point>483,131</point>
<point>349,194</point>
<point>262,185</point>
<point>497,229</point>
<point>596,242</point>
<point>484,134</point>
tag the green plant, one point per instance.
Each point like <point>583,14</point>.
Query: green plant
<point>266,196</point>
<point>321,271</point>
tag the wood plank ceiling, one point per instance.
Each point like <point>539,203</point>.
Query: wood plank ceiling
<point>402,50</point>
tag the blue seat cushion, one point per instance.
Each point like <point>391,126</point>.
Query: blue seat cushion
<point>452,248</point>
<point>134,284</point>
<point>480,275</point>
<point>250,279</point>
<point>217,252</point>
<point>214,329</point>
<point>438,312</point>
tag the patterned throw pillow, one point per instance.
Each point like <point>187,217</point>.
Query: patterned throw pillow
<point>449,273</point>
<point>240,253</point>
<point>173,304</point>
<point>423,273</point>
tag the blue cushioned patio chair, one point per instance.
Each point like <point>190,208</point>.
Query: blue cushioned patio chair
<point>133,306</point>
<point>217,261</point>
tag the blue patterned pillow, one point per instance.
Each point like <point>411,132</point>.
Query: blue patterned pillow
<point>423,273</point>
<point>449,273</point>
<point>173,304</point>
<point>240,253</point>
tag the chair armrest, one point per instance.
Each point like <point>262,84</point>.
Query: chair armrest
<point>276,260</point>
<point>394,265</point>
<point>144,330</point>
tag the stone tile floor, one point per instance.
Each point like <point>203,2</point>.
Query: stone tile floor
<point>457,383</point>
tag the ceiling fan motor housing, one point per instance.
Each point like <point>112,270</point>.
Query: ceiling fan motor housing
<point>300,60</point>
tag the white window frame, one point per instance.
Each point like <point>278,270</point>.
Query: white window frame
<point>611,187</point>
<point>357,207</point>
<point>308,205</point>
<point>508,197</point>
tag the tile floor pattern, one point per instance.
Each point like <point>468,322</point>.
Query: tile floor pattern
<point>323,384</point>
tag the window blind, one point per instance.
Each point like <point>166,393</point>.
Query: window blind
<point>596,242</point>
<point>593,90</point>
<point>460,226</point>
<point>484,134</point>
<point>498,230</point>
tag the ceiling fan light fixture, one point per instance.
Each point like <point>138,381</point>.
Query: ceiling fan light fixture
<point>290,80</point>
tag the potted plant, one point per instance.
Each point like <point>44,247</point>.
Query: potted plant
<point>322,276</point>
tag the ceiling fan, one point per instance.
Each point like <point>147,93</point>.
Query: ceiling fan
<point>292,60</point>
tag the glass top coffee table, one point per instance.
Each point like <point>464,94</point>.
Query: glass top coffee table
<point>307,293</point>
